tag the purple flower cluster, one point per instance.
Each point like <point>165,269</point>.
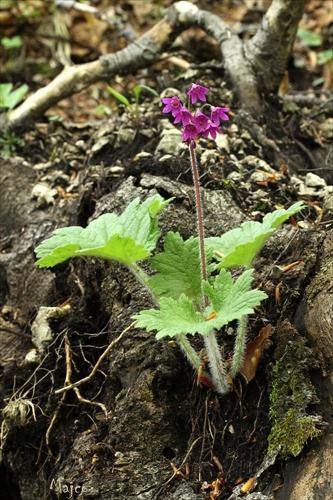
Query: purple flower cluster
<point>196,124</point>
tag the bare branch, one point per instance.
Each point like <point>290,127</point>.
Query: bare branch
<point>270,48</point>
<point>255,67</point>
<point>139,54</point>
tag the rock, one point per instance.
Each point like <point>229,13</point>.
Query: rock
<point>222,142</point>
<point>303,190</point>
<point>171,137</point>
<point>184,492</point>
<point>165,158</point>
<point>124,137</point>
<point>209,157</point>
<point>235,176</point>
<point>32,356</point>
<point>328,207</point>
<point>313,180</point>
<point>42,334</point>
<point>100,143</point>
<point>143,154</point>
<point>44,193</point>
<point>258,177</point>
<point>254,162</point>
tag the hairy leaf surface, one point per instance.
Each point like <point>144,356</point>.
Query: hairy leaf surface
<point>229,300</point>
<point>127,238</point>
<point>241,245</point>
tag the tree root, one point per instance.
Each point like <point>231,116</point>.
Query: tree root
<point>95,368</point>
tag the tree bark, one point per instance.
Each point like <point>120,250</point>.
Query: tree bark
<point>253,68</point>
<point>318,304</point>
<point>269,50</point>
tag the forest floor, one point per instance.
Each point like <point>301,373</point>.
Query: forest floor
<point>117,435</point>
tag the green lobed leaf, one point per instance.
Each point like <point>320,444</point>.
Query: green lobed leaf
<point>127,238</point>
<point>241,245</point>
<point>179,269</point>
<point>173,318</point>
<point>229,300</point>
<point>276,218</point>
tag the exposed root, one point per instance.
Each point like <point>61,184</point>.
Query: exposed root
<point>99,361</point>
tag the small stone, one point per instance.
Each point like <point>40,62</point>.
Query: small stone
<point>32,357</point>
<point>81,144</point>
<point>222,142</point>
<point>313,180</point>
<point>75,164</point>
<point>43,166</point>
<point>209,157</point>
<point>124,138</point>
<point>103,141</point>
<point>147,132</point>
<point>258,177</point>
<point>165,158</point>
<point>254,162</point>
<point>295,181</point>
<point>235,176</point>
<point>169,142</point>
<point>304,190</point>
<point>42,333</point>
<point>260,194</point>
<point>44,193</point>
<point>143,154</point>
<point>328,207</point>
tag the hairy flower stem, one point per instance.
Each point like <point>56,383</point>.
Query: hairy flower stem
<point>216,364</point>
<point>198,203</point>
<point>240,346</point>
<point>182,340</point>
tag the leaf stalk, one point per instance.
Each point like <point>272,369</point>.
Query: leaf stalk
<point>216,364</point>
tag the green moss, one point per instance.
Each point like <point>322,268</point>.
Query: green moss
<point>292,393</point>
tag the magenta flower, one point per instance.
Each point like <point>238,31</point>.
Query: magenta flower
<point>184,116</point>
<point>190,132</point>
<point>173,105</point>
<point>218,114</point>
<point>201,121</point>
<point>197,124</point>
<point>197,92</point>
<point>212,130</point>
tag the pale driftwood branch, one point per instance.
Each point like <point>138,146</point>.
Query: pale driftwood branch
<point>72,79</point>
<point>251,68</point>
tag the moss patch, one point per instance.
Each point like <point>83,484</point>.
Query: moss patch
<point>291,395</point>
